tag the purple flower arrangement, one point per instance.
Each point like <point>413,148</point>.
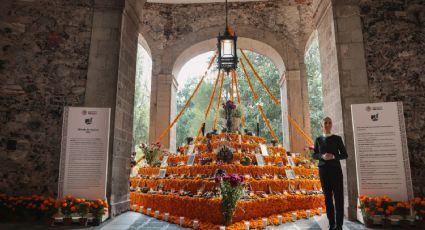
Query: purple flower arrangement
<point>229,105</point>
<point>233,179</point>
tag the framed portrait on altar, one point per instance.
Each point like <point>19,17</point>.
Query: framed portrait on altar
<point>191,160</point>
<point>260,159</point>
<point>290,174</point>
<point>291,161</point>
<point>162,173</point>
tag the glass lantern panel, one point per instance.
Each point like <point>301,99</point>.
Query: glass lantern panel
<point>227,48</point>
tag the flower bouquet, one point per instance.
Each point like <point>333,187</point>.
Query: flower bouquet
<point>98,208</point>
<point>83,210</point>
<point>151,152</point>
<point>67,209</point>
<point>231,187</point>
<point>418,205</point>
<point>386,209</point>
<point>368,209</point>
<point>49,207</point>
<point>228,108</point>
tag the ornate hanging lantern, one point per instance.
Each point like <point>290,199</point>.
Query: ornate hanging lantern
<point>226,45</point>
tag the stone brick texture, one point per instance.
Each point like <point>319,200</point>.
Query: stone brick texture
<point>394,39</point>
<point>44,48</point>
<point>170,22</point>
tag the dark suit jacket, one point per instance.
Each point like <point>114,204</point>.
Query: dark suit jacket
<point>332,144</point>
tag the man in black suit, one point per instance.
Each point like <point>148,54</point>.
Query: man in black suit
<point>329,150</point>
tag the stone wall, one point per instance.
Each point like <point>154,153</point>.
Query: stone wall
<point>394,39</point>
<point>170,22</point>
<point>44,47</point>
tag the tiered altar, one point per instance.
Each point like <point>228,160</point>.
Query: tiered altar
<point>184,185</point>
<point>228,178</point>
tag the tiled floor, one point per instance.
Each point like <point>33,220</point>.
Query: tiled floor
<point>136,221</point>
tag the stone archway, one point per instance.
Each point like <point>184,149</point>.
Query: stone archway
<point>245,44</point>
<point>279,49</point>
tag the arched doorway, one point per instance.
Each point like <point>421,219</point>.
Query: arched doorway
<point>193,117</point>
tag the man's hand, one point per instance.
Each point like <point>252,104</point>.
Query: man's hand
<point>327,156</point>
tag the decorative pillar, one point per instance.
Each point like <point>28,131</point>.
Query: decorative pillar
<point>163,109</point>
<point>344,77</point>
<point>110,83</point>
<point>284,106</point>
<point>295,108</point>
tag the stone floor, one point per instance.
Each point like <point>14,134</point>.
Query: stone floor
<point>136,221</point>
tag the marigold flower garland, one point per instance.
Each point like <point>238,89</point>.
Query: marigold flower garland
<point>193,185</point>
<point>231,168</point>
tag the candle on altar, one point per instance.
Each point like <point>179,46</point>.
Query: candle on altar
<point>308,212</point>
<point>247,225</point>
<point>279,218</point>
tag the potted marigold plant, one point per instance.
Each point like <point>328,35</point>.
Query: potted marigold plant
<point>403,209</point>
<point>83,210</point>
<point>67,209</point>
<point>418,205</point>
<point>49,208</point>
<point>386,209</point>
<point>367,207</point>
<point>98,208</point>
<point>231,191</point>
<point>5,208</point>
<point>33,211</point>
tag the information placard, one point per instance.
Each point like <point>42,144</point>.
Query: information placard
<point>84,152</point>
<point>382,158</point>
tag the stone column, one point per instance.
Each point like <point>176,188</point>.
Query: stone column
<point>163,109</point>
<point>304,95</point>
<point>344,78</point>
<point>295,108</point>
<point>284,105</point>
<point>110,83</point>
